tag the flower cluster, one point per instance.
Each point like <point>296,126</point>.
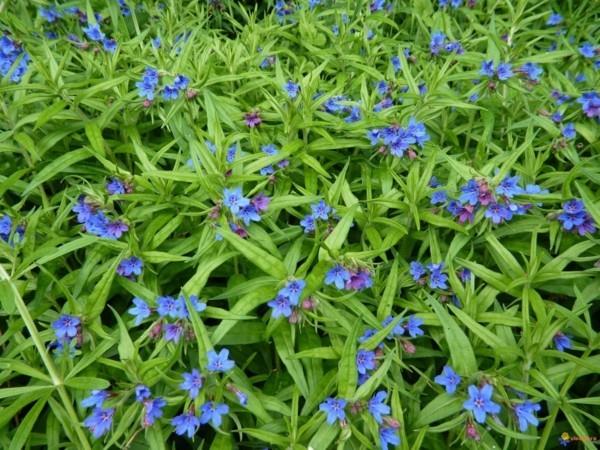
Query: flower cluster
<point>366,360</point>
<point>272,150</point>
<point>100,421</point>
<point>95,221</point>
<point>480,403</point>
<point>532,71</point>
<point>242,208</point>
<point>211,412</point>
<point>130,267</point>
<point>95,34</point>
<point>116,186</point>
<point>439,42</point>
<point>167,307</point>
<point>398,140</point>
<point>287,299</point>
<point>152,407</point>
<point>342,104</point>
<point>590,104</point>
<point>576,219</point>
<point>354,279</point>
<point>432,274</point>
<point>503,72</point>
<point>320,211</point>
<point>499,204</point>
<point>148,86</point>
<point>335,411</point>
<point>13,59</point>
<point>6,226</point>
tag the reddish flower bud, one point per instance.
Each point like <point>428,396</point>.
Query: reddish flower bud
<point>409,347</point>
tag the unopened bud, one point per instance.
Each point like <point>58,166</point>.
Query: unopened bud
<point>409,347</point>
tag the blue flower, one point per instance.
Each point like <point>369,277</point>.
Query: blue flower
<point>270,149</point>
<point>5,227</point>
<point>396,63</point>
<point>50,15</point>
<point>469,193</point>
<point>212,412</point>
<point>93,32</point>
<point>142,392</point>
<point>487,68</point>
<point>562,342</point>
<point>156,42</point>
<point>248,214</point>
<point>66,327</point>
<point>533,71</point>
<point>354,116</point>
<point>109,45</point>
<point>417,270</point>
<point>587,50</point>
<point>153,410</point>
<point>367,334</point>
<point>219,362</point>
<point>11,53</point>
<point>95,399</point>
<point>100,421</point>
<point>504,71</point>
<point>281,306</point>
<point>334,408</point>
<point>365,360</point>
<point>234,200</point>
<point>480,402</point>
<point>413,325</point>
<point>292,89</point>
<point>293,290</point>
<point>377,406</point>
<point>168,306</point>
<point>590,104</point>
<point>141,310</point>
<point>398,329</point>
<point>569,131</point>
<point>465,275</point>
<point>525,414</point>
<point>436,44</point>
<point>439,197</point>
<point>509,187</point>
<point>418,131</point>
<point>130,267</point>
<point>448,378</point>
<point>437,278</point>
<point>181,82</point>
<point>115,187</point>
<point>186,423</point>
<point>498,213</point>
<point>197,304</point>
<point>554,19</point>
<point>338,276</point>
<point>170,92</point>
<point>173,332</point>
<point>388,436</point>
<point>192,383</point>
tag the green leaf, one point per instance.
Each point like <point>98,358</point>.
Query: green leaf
<point>261,259</point>
<point>461,352</point>
<point>347,373</point>
<point>55,167</point>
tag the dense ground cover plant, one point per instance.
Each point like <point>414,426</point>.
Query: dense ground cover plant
<point>314,224</point>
